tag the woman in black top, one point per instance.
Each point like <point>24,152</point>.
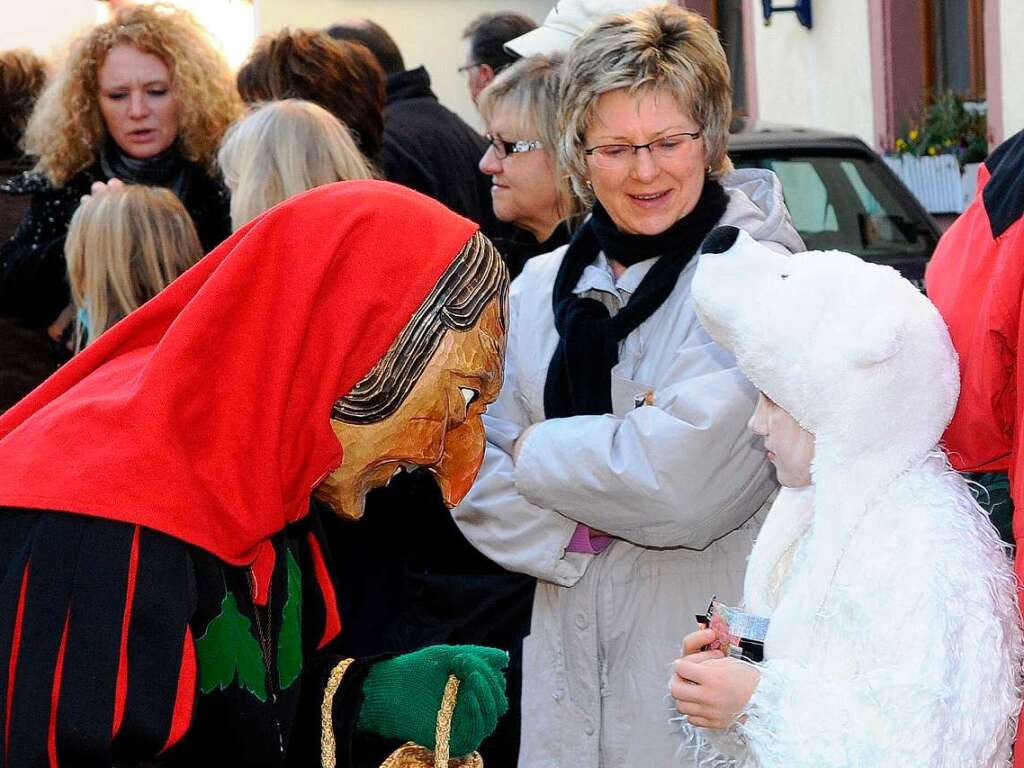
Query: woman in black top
<point>144,98</point>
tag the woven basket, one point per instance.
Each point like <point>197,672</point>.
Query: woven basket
<point>414,756</point>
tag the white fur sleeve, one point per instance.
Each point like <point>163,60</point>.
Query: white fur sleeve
<point>801,718</point>
<point>901,702</point>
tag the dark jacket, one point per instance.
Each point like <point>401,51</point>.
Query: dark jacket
<point>522,246</point>
<point>33,274</point>
<point>26,354</point>
<point>407,578</point>
<point>431,149</point>
<point>12,211</point>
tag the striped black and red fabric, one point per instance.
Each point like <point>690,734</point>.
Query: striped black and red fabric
<point>98,643</point>
<point>105,665</point>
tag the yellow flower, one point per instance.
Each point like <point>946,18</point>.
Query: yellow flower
<point>901,145</point>
<point>914,134</point>
<point>932,151</point>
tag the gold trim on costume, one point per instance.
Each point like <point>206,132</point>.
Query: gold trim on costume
<point>327,744</point>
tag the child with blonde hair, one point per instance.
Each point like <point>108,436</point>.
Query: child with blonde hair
<point>126,243</point>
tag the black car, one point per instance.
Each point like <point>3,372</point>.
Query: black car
<point>840,194</point>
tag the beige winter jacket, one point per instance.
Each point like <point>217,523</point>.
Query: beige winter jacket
<point>676,483</point>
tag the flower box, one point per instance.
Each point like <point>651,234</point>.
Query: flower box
<point>935,180</point>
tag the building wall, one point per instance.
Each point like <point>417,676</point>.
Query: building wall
<point>819,77</point>
<point>1011,64</point>
<point>429,32</point>
<point>45,26</point>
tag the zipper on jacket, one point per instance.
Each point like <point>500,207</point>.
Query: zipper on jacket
<point>264,626</point>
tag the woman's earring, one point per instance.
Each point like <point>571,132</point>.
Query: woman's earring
<point>589,185</point>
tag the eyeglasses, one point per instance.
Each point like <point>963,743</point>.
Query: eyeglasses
<point>466,67</point>
<point>503,149</point>
<point>620,155</point>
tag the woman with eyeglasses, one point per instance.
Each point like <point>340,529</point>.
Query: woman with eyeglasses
<point>619,471</point>
<point>520,108</point>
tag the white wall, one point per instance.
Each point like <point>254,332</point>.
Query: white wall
<point>45,26</point>
<point>819,77</point>
<point>1011,23</point>
<point>429,32</point>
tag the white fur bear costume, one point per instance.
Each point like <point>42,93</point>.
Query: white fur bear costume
<point>895,632</point>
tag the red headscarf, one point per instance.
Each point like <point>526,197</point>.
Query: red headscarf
<point>205,413</point>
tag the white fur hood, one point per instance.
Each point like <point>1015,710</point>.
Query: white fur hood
<point>843,345</point>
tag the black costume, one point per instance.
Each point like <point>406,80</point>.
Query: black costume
<point>407,578</point>
<point>166,593</point>
<point>254,707</point>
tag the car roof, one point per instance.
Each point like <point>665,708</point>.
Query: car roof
<point>747,134</point>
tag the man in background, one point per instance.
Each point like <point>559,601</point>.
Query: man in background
<point>426,146</point>
<point>566,21</point>
<point>486,54</point>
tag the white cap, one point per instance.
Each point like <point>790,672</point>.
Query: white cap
<point>566,21</point>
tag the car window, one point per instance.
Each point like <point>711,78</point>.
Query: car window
<point>806,196</point>
<point>845,203</point>
<point>871,205</point>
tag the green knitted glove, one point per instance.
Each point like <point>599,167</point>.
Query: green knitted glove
<point>401,696</point>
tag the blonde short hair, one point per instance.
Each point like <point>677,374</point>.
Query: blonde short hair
<point>123,247</point>
<point>531,89</point>
<point>663,47</point>
<point>66,130</point>
<point>281,149</point>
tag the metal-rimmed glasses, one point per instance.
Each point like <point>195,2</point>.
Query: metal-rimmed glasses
<point>503,149</point>
<point>666,148</point>
<point>467,67</point>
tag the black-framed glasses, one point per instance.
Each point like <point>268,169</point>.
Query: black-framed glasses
<point>504,148</point>
<point>467,67</point>
<point>619,155</point>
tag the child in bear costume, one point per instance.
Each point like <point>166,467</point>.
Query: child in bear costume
<point>894,636</point>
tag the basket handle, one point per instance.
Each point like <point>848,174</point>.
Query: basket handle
<point>443,733</point>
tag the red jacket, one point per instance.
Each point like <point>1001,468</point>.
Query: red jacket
<point>976,279</point>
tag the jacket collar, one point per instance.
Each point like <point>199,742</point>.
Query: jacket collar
<point>411,84</point>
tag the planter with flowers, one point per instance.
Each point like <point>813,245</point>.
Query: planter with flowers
<point>938,159</point>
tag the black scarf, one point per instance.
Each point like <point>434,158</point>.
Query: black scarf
<point>168,169</point>
<point>579,374</point>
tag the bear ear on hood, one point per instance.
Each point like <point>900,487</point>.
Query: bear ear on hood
<point>879,337</point>
<point>720,240</point>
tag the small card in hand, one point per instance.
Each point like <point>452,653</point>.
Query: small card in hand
<point>737,633</point>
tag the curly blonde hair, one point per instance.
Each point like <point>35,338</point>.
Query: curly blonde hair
<point>66,129</point>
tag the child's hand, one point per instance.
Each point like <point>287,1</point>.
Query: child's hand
<point>694,642</point>
<point>712,692</point>
<point>100,188</point>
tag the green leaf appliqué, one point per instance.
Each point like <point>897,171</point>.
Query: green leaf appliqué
<point>289,646</point>
<point>228,649</point>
